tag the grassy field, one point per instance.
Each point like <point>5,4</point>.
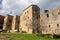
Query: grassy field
<point>18,36</point>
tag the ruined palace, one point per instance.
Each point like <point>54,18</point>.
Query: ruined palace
<point>33,21</point>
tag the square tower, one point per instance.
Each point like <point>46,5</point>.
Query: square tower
<point>30,19</point>
<point>15,24</point>
<point>7,26</point>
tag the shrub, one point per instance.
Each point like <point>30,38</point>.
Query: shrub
<point>45,35</point>
<point>56,36</point>
<point>24,32</point>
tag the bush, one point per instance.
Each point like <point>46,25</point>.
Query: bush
<point>24,32</point>
<point>56,36</point>
<point>45,35</point>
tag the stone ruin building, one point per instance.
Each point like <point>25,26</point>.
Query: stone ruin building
<point>32,21</point>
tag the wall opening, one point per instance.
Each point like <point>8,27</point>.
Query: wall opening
<point>27,11</point>
<point>47,15</point>
<point>57,25</point>
<point>35,10</point>
<point>10,21</point>
<point>49,26</point>
<point>33,31</point>
<point>28,17</point>
<point>45,11</point>
<point>18,22</point>
<point>58,13</point>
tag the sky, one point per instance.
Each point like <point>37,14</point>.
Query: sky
<point>15,7</point>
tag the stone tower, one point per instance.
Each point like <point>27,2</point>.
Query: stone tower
<point>7,23</point>
<point>30,20</point>
<point>15,24</point>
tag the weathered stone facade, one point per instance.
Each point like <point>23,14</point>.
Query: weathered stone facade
<point>50,22</point>
<point>11,23</point>
<point>31,21</point>
<point>16,24</point>
<point>7,23</point>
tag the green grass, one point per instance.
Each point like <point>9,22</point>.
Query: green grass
<point>18,36</point>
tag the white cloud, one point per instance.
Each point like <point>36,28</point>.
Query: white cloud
<point>16,6</point>
<point>58,3</point>
<point>5,4</point>
<point>11,3</point>
<point>36,1</point>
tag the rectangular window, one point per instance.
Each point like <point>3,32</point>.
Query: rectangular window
<point>47,15</point>
<point>58,13</point>
<point>46,11</point>
<point>49,26</point>
<point>57,25</point>
<point>10,21</point>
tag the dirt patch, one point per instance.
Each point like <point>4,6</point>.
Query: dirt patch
<point>3,38</point>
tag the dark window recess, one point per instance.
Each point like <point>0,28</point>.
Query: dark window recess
<point>1,27</point>
<point>37,17</point>
<point>18,22</point>
<point>8,25</point>
<point>35,11</point>
<point>17,30</point>
<point>57,25</point>
<point>2,23</point>
<point>47,15</point>
<point>10,21</point>
<point>58,13</point>
<point>37,30</point>
<point>33,31</point>
<point>49,26</point>
<point>26,24</point>
<point>46,11</point>
<point>25,12</point>
<point>28,17</point>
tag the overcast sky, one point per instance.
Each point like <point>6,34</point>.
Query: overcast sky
<point>15,7</point>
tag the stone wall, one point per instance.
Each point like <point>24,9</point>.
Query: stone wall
<point>7,23</point>
<point>30,19</point>
<point>50,22</point>
<point>1,21</point>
